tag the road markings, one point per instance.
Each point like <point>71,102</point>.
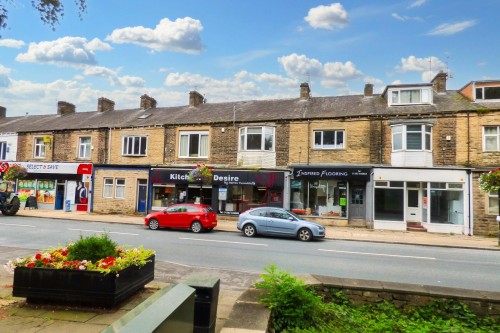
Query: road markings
<point>18,225</point>
<point>108,232</point>
<point>218,241</point>
<point>378,254</point>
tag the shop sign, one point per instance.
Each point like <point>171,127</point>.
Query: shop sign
<point>166,176</point>
<point>332,173</point>
<point>57,168</point>
<point>222,177</point>
<point>255,178</point>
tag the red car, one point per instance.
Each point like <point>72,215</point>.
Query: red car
<point>194,217</point>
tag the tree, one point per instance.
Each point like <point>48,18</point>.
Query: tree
<point>50,10</point>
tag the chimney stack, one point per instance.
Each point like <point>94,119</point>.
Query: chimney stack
<point>439,82</point>
<point>147,102</point>
<point>305,91</point>
<point>65,108</point>
<point>3,112</point>
<point>368,90</point>
<point>195,98</point>
<point>104,104</point>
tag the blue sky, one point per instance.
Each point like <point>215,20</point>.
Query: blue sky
<point>233,50</point>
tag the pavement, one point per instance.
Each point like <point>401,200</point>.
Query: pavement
<point>16,315</point>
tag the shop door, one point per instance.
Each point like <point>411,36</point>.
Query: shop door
<point>357,203</point>
<point>142,189</point>
<point>413,209</point>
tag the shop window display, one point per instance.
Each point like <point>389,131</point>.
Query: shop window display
<point>240,198</point>
<point>325,198</point>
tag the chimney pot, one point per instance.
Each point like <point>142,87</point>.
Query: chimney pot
<point>368,90</point>
<point>104,104</point>
<point>195,98</point>
<point>65,108</point>
<point>147,102</point>
<point>305,91</point>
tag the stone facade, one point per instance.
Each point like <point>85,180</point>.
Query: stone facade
<point>356,149</point>
<point>124,205</point>
<point>26,147</point>
<point>155,143</point>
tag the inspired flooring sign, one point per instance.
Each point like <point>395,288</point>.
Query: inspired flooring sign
<point>332,173</point>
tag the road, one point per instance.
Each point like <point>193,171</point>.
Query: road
<point>239,260</point>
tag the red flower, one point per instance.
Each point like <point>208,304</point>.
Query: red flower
<point>38,256</point>
<point>31,264</point>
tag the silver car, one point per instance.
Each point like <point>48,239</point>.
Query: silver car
<point>272,221</point>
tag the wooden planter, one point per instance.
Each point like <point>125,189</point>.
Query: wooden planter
<point>81,287</point>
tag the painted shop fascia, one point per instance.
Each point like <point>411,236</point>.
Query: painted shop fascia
<point>328,191</point>
<point>230,192</point>
<point>55,185</point>
<point>437,199</point>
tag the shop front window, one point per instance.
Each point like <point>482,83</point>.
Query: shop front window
<point>389,201</point>
<point>447,204</point>
<point>326,198</point>
<point>240,198</point>
<point>163,196</point>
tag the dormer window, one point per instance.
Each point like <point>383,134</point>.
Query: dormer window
<point>487,93</point>
<point>410,96</point>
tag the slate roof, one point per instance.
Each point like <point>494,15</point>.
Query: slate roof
<point>242,111</point>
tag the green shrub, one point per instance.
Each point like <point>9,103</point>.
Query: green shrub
<point>299,309</point>
<point>292,304</point>
<point>92,248</point>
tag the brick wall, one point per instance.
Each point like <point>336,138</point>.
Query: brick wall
<point>117,205</point>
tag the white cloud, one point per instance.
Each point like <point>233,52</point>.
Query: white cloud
<point>429,67</point>
<point>13,43</point>
<point>66,51</point>
<point>447,29</point>
<point>327,17</point>
<point>4,76</point>
<point>417,3</point>
<point>181,35</point>
<point>302,67</point>
<point>242,86</point>
<point>113,77</point>
<point>399,17</point>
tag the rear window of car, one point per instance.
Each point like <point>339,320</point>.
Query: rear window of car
<point>258,212</point>
<point>208,209</point>
<point>192,209</point>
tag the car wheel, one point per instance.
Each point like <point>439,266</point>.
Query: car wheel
<point>153,224</point>
<point>196,227</point>
<point>305,235</point>
<point>249,230</point>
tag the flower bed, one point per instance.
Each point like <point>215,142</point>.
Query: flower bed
<point>59,275</point>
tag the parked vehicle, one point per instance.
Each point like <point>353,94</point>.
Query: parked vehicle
<point>272,221</point>
<point>194,217</point>
<point>9,200</point>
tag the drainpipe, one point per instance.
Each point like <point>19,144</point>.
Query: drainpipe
<point>109,146</point>
<point>469,200</point>
<point>380,158</point>
<point>468,137</point>
<point>308,139</point>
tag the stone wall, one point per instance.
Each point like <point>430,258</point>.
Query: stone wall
<point>124,205</point>
<point>356,146</point>
<point>155,137</point>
